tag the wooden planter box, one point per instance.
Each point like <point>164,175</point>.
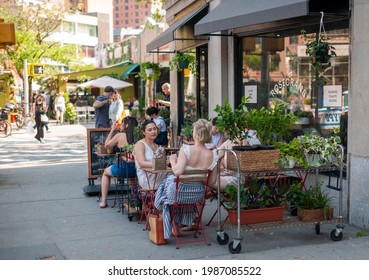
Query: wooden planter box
<point>314,215</point>
<point>254,216</point>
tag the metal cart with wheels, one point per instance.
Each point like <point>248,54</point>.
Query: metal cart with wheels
<point>235,246</point>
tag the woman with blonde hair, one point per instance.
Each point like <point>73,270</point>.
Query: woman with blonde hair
<point>190,157</point>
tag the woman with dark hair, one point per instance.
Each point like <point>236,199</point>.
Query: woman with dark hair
<point>123,169</point>
<point>39,108</point>
<point>144,152</point>
<point>162,138</point>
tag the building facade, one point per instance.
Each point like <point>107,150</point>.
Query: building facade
<point>258,47</point>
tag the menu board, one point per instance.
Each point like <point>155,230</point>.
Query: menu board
<point>96,163</point>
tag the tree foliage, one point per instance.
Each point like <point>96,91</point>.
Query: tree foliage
<point>34,25</point>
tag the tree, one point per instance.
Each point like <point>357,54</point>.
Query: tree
<point>34,25</point>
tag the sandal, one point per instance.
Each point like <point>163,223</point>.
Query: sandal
<point>192,227</point>
<point>103,205</point>
<point>175,231</point>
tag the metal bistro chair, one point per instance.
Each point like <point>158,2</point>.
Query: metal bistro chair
<point>126,186</point>
<point>186,201</point>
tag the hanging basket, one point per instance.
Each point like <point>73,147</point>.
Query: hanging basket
<point>149,71</point>
<point>183,64</point>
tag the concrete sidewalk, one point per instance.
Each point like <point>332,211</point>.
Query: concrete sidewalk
<point>44,214</point>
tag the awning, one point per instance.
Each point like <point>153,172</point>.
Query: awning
<point>169,35</point>
<point>132,69</point>
<point>233,14</point>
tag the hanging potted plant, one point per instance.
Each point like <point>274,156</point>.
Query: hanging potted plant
<point>149,71</point>
<point>319,50</point>
<point>182,61</point>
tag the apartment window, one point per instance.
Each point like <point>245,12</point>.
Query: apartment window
<point>136,13</point>
<point>126,21</point>
<point>116,15</point>
<point>137,21</point>
<point>136,7</point>
<point>126,14</point>
<point>126,8</point>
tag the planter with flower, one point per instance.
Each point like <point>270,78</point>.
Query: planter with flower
<point>260,202</point>
<point>182,61</point>
<point>149,71</point>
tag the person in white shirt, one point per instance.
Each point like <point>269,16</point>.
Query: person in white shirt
<point>116,108</point>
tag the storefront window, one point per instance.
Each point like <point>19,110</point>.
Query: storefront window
<point>195,104</point>
<point>277,69</point>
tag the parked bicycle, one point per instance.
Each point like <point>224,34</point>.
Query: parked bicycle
<point>20,117</point>
<point>5,126</point>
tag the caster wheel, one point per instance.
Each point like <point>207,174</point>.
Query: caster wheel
<point>234,250</point>
<point>335,237</point>
<point>130,218</point>
<point>317,228</point>
<point>223,241</point>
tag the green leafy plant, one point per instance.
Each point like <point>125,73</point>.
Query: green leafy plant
<point>128,148</point>
<point>164,113</point>
<point>319,50</point>
<point>187,58</point>
<point>186,130</point>
<point>233,122</point>
<point>326,148</point>
<point>149,65</point>
<point>258,194</point>
<point>294,195</point>
<point>70,112</point>
<point>315,198</point>
<point>292,150</point>
<point>271,124</point>
<point>302,114</point>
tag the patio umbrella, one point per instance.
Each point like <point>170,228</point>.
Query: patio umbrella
<point>104,81</point>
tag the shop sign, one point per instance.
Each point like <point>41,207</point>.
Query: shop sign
<point>288,82</point>
<point>332,96</point>
<point>252,93</point>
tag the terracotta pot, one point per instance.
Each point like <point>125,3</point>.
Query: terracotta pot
<point>254,216</point>
<point>314,215</point>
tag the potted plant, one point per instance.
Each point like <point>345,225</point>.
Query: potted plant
<point>271,124</point>
<point>231,122</point>
<point>260,202</point>
<point>294,196</point>
<point>291,153</point>
<point>315,205</point>
<point>181,61</point>
<point>319,50</point>
<point>149,71</point>
<point>319,150</point>
<point>303,118</point>
<point>70,113</point>
<point>186,133</point>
